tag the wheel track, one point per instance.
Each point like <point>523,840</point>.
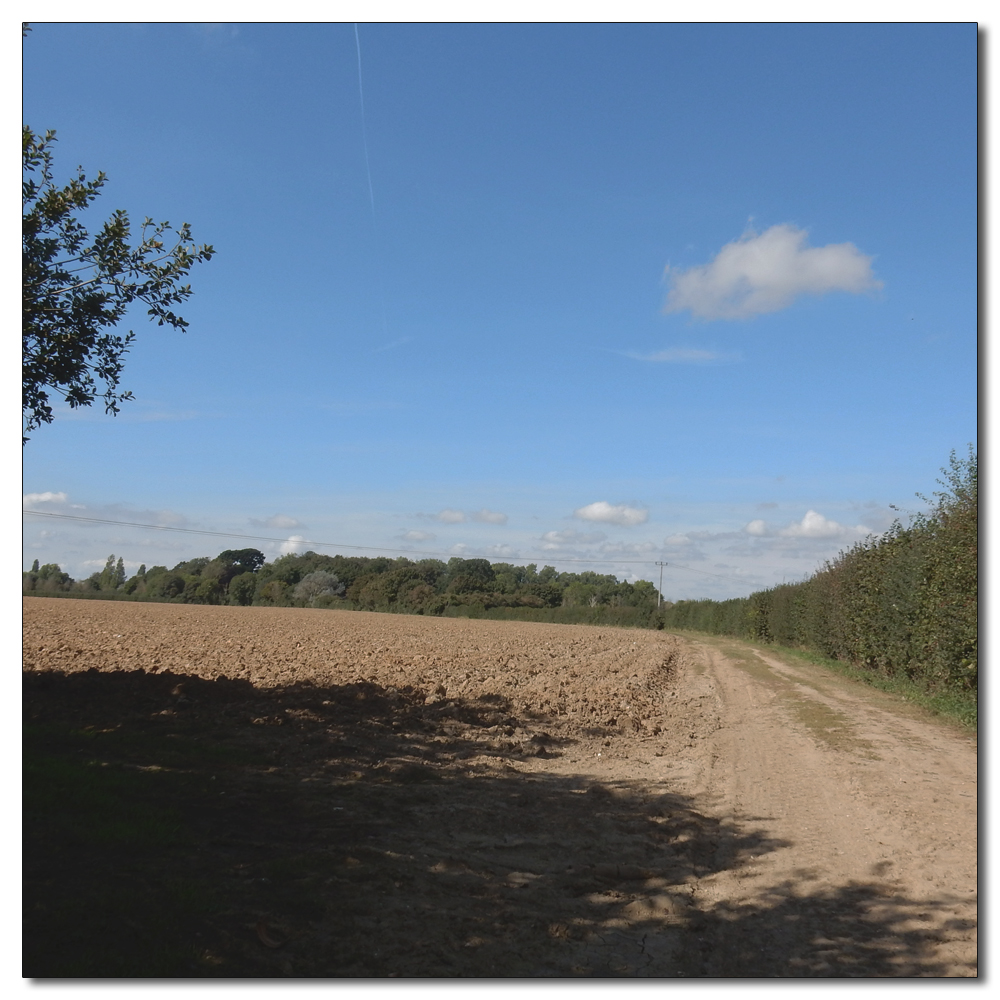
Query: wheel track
<point>838,797</point>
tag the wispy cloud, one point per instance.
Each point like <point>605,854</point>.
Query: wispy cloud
<point>219,37</point>
<point>214,29</point>
<point>151,416</point>
<point>502,552</point>
<point>280,521</point>
<point>451,516</point>
<point>554,540</point>
<point>353,407</point>
<point>621,550</point>
<point>53,502</point>
<point>620,514</point>
<point>418,536</point>
<point>682,546</point>
<point>762,273</point>
<point>488,516</point>
<point>683,356</point>
<point>498,552</point>
<point>398,342</point>
<point>35,499</point>
<point>135,412</point>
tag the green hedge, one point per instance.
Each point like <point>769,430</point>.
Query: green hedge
<point>624,616</point>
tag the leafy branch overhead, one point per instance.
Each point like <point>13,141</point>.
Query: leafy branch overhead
<point>77,287</point>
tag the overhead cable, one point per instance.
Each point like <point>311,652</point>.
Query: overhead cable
<point>344,545</point>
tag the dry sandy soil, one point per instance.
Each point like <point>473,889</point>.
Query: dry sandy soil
<point>443,797</point>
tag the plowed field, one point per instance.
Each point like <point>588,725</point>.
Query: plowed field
<point>280,792</point>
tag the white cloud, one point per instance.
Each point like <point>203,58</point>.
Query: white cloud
<point>683,356</point>
<point>418,536</point>
<point>280,521</point>
<point>489,516</point>
<point>626,517</point>
<point>33,499</point>
<point>450,516</point>
<point>295,543</point>
<point>815,525</point>
<point>762,273</point>
<point>812,525</point>
<point>558,539</point>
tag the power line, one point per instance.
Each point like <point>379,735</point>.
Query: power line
<point>200,531</point>
<point>343,545</point>
<point>304,541</point>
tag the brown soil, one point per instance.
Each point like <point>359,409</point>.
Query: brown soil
<point>422,797</point>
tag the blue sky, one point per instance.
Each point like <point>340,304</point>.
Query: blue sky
<point>701,293</point>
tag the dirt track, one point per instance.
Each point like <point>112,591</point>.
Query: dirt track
<point>468,798</point>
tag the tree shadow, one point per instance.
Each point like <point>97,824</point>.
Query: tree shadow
<point>182,827</point>
<point>860,929</point>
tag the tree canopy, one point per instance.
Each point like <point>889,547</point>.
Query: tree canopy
<point>77,287</point>
<point>472,587</point>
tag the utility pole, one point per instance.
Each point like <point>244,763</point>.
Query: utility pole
<point>659,593</point>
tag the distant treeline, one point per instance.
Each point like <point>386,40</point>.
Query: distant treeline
<point>461,587</point>
<point>906,602</point>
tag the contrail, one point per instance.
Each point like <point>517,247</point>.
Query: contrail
<point>364,130</point>
<point>371,189</point>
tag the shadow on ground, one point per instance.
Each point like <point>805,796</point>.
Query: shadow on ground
<point>178,827</point>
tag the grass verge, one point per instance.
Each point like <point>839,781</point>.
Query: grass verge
<point>958,707</point>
